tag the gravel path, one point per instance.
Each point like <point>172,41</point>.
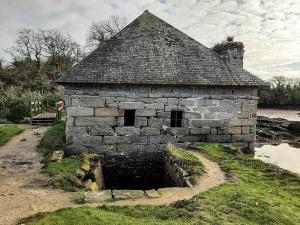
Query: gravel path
<point>23,188</point>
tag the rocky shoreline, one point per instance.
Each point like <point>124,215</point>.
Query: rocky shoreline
<point>277,130</point>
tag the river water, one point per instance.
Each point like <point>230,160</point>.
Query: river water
<point>284,155</point>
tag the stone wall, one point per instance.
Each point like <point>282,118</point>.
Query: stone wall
<point>175,175</point>
<point>95,121</point>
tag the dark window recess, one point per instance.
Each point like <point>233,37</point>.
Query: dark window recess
<point>129,117</point>
<point>176,118</point>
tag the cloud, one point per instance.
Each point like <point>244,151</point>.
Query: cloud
<point>268,28</point>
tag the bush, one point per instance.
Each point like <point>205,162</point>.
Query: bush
<point>54,139</point>
<point>18,111</point>
<point>15,102</point>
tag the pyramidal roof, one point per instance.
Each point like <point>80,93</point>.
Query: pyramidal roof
<point>151,51</point>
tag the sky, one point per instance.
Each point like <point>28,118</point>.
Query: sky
<point>270,29</point>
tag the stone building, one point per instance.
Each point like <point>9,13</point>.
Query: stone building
<point>152,84</point>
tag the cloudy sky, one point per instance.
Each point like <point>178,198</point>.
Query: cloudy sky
<point>270,29</point>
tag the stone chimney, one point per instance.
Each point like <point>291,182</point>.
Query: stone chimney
<point>231,51</point>
<point>235,53</point>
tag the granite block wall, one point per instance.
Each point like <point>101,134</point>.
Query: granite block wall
<point>95,117</point>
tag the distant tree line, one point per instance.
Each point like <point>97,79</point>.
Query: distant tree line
<point>280,92</point>
<point>38,59</point>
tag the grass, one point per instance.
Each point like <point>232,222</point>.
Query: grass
<point>261,194</point>
<point>181,153</point>
<point>188,162</point>
<point>54,139</point>
<point>8,131</point>
<point>62,173</point>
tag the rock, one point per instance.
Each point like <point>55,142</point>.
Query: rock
<point>80,174</point>
<point>275,130</point>
<point>128,194</point>
<point>95,196</point>
<point>152,194</point>
<point>91,186</point>
<point>57,156</point>
<point>294,127</point>
<point>98,175</point>
<point>86,167</point>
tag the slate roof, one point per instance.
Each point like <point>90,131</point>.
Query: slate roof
<point>151,51</point>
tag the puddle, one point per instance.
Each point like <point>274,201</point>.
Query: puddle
<point>286,156</point>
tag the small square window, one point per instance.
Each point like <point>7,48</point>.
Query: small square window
<point>176,118</point>
<point>129,118</point>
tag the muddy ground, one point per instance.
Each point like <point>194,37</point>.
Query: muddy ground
<point>23,188</point>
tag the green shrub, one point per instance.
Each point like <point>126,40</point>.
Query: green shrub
<point>18,111</point>
<point>54,139</point>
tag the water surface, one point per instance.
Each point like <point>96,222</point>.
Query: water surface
<point>286,156</point>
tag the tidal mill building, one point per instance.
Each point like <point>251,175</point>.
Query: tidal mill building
<point>152,84</point>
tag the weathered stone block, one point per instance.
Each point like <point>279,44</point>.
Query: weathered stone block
<point>246,130</point>
<point>213,130</point>
<point>155,106</point>
<point>75,102</point>
<point>120,121</point>
<point>107,112</point>
<point>70,121</point>
<point>147,131</point>
<point>161,100</point>
<point>173,101</point>
<point>141,122</point>
<point>127,131</point>
<point>157,122</point>
<point>186,102</point>
<point>163,114</point>
<point>174,108</point>
<point>241,122</point>
<point>203,130</point>
<point>80,111</point>
<point>230,130</point>
<point>95,121</point>
<point>130,147</point>
<point>92,101</point>
<point>102,149</point>
<point>190,138</point>
<point>116,140</point>
<point>207,123</point>
<point>68,100</point>
<point>205,102</point>
<point>217,138</point>
<point>102,130</point>
<point>131,105</point>
<point>87,140</point>
<point>145,112</point>
<point>243,138</point>
<point>243,115</point>
<point>209,115</point>
<point>177,131</point>
<point>147,100</point>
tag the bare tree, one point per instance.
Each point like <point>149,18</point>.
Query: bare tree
<point>60,50</point>
<point>100,32</point>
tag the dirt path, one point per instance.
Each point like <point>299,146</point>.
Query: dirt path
<point>23,190</point>
<point>214,176</point>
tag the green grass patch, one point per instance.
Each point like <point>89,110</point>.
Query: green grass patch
<point>181,153</point>
<point>8,131</point>
<point>62,173</point>
<point>54,139</point>
<point>262,194</point>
